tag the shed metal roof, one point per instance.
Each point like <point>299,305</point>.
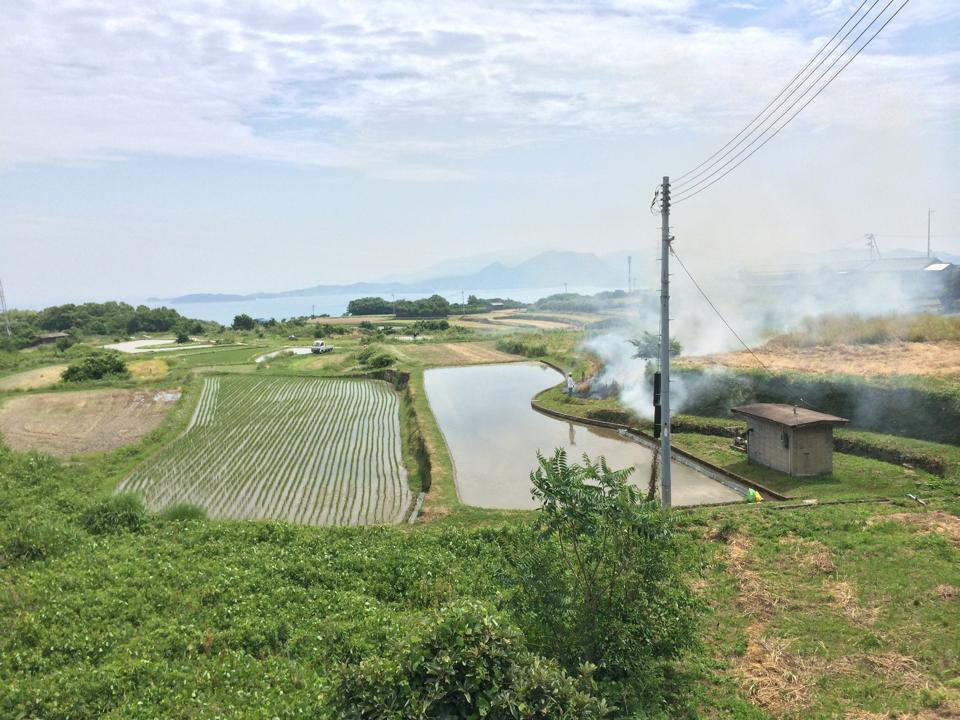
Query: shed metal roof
<point>789,415</point>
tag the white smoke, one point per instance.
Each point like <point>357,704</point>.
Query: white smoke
<point>623,368</point>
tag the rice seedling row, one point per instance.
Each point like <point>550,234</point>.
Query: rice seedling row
<point>316,451</point>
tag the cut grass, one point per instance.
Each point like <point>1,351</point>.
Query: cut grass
<point>850,617</point>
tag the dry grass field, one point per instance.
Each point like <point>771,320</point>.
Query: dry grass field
<point>30,379</point>
<point>882,359</point>
<point>148,369</point>
<point>444,354</point>
<point>72,423</point>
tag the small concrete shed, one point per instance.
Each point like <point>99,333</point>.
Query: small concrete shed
<point>790,439</point>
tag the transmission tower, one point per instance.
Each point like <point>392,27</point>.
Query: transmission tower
<point>874,247</point>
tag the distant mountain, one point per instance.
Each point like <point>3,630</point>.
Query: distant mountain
<point>460,266</point>
<point>548,269</point>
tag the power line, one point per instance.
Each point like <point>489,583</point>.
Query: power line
<point>680,180</point>
<point>770,372</point>
<point>734,166</point>
<point>726,168</point>
<point>673,252</point>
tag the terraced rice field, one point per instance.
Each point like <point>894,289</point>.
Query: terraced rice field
<point>307,450</point>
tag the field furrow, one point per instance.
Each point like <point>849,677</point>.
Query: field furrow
<point>307,450</point>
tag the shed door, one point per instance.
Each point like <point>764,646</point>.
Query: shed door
<point>812,452</point>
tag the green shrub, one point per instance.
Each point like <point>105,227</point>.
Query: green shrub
<point>96,366</point>
<point>38,540</point>
<point>381,360</point>
<point>183,512</point>
<point>469,663</point>
<point>518,347</point>
<point>597,579</point>
<point>364,356</point>
<point>115,514</point>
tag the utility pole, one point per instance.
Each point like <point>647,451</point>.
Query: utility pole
<point>394,296</point>
<point>929,213</point>
<point>564,288</point>
<point>665,486</point>
<point>629,275</point>
<point>3,307</point>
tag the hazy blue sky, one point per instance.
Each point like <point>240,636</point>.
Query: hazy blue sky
<point>162,148</point>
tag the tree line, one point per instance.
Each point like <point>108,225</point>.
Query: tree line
<point>108,318</point>
<point>431,307</point>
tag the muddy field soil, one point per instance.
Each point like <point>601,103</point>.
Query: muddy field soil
<point>886,359</point>
<point>31,379</point>
<point>443,354</point>
<point>73,423</point>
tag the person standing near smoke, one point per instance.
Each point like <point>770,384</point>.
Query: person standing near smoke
<point>570,385</point>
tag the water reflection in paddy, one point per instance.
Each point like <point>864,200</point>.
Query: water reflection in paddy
<point>493,435</point>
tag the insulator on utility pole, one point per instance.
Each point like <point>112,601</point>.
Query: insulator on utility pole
<point>664,407</point>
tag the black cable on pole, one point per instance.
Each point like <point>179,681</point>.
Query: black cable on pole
<point>673,252</point>
<point>798,399</point>
<point>798,111</point>
<point>680,179</point>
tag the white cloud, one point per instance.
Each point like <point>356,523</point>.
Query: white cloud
<point>367,85</point>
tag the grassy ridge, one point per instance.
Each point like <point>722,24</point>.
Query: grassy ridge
<point>926,408</point>
<point>852,329</point>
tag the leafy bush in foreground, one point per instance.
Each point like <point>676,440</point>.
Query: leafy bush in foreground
<point>115,514</point>
<point>96,366</point>
<point>598,580</point>
<point>469,663</point>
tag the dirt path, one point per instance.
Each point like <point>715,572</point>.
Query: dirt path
<point>71,423</point>
<point>41,377</point>
<point>886,359</point>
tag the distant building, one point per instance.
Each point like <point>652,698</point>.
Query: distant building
<point>48,338</point>
<point>792,440</point>
<point>880,285</point>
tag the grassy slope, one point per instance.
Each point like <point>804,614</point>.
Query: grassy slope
<point>249,618</point>
<point>843,610</point>
<point>201,619</point>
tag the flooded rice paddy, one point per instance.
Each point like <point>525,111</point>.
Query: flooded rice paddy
<point>493,435</point>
